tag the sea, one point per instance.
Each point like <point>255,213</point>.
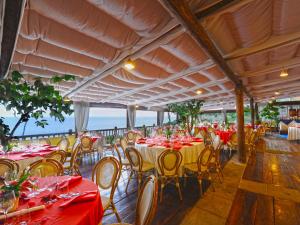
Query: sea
<point>95,123</point>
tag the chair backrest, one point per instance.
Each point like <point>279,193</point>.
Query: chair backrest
<point>74,155</point>
<point>86,143</point>
<point>233,138</point>
<point>217,142</point>
<point>8,165</point>
<point>59,156</point>
<point>159,131</point>
<point>46,167</point>
<point>130,136</point>
<point>44,141</point>
<point>204,158</point>
<point>147,202</point>
<point>63,144</point>
<point>169,162</point>
<point>134,157</point>
<point>123,143</point>
<point>120,158</point>
<point>106,174</point>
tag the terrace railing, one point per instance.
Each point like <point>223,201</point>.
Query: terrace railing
<point>116,132</point>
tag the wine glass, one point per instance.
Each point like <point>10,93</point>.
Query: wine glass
<point>7,201</point>
<point>9,176</point>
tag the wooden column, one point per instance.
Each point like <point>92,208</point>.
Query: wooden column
<point>256,112</point>
<point>224,116</point>
<point>252,112</point>
<point>127,120</point>
<point>240,123</point>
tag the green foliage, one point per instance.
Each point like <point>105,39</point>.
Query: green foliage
<point>16,185</point>
<point>32,100</point>
<point>270,112</point>
<point>187,112</point>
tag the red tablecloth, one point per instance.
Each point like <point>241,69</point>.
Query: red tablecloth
<point>83,213</point>
<point>30,152</point>
<point>224,135</point>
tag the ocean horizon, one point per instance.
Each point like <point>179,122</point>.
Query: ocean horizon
<point>95,123</point>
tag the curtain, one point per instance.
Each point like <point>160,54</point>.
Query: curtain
<point>160,118</point>
<point>131,114</point>
<point>81,112</point>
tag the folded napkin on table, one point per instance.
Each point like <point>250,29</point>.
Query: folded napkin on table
<point>187,144</point>
<point>141,142</point>
<point>151,145</point>
<point>69,182</point>
<point>177,147</point>
<point>31,154</point>
<point>197,140</point>
<point>87,196</point>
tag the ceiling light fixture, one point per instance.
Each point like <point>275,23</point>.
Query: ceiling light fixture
<point>66,99</point>
<point>277,93</point>
<point>199,92</point>
<point>129,64</point>
<point>284,73</point>
<point>136,106</point>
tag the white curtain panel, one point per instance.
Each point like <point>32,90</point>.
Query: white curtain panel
<point>81,112</point>
<point>160,118</point>
<point>131,113</point>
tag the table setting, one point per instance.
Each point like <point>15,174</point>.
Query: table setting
<point>190,148</point>
<point>50,200</point>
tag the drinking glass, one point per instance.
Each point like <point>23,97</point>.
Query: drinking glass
<point>7,201</point>
<point>9,176</point>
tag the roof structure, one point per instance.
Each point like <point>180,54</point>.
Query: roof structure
<point>92,39</point>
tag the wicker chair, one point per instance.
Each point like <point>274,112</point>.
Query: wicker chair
<point>215,162</point>
<point>8,165</point>
<point>169,162</point>
<point>63,144</point>
<point>71,167</point>
<point>201,168</point>
<point>106,175</point>
<point>46,167</point>
<point>137,165</point>
<point>123,160</point>
<point>146,203</point>
<point>44,141</point>
<point>86,145</point>
<point>233,142</point>
<point>59,155</point>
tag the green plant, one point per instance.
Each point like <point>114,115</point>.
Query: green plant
<point>31,99</point>
<point>187,112</point>
<point>270,112</point>
<point>110,139</point>
<point>16,184</point>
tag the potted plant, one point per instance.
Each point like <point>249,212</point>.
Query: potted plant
<point>31,100</point>
<point>188,113</point>
<point>271,113</point>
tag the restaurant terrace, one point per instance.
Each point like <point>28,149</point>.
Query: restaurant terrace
<point>221,78</point>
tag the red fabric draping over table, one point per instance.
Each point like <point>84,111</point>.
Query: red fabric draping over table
<point>80,213</point>
<point>30,151</point>
<point>224,135</point>
<point>175,143</point>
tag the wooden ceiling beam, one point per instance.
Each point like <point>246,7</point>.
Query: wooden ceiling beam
<point>220,6</point>
<point>181,10</point>
<point>279,81</point>
<point>287,64</point>
<point>12,19</point>
<point>271,43</point>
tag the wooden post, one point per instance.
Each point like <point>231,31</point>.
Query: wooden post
<point>252,112</point>
<point>127,120</point>
<point>224,116</point>
<point>256,112</point>
<point>240,124</point>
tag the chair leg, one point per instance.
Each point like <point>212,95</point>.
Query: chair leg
<point>200,186</point>
<point>178,188</point>
<point>116,212</point>
<point>140,176</point>
<point>130,176</point>
<point>162,185</point>
<point>212,183</point>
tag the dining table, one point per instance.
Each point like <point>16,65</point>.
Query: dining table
<point>294,133</point>
<point>189,147</point>
<point>27,154</point>
<point>67,200</point>
<point>225,135</point>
